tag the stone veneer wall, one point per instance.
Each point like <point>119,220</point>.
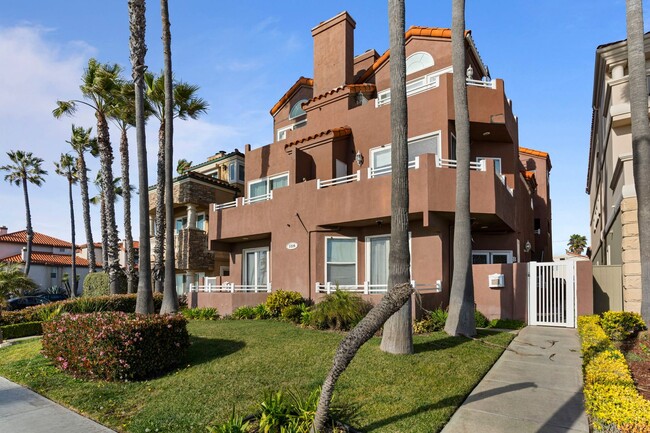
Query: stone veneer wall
<point>192,251</point>
<point>631,256</point>
<point>189,192</point>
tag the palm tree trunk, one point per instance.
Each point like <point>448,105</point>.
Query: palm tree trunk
<point>102,222</point>
<point>397,337</point>
<point>73,255</point>
<point>369,325</point>
<point>106,161</point>
<point>30,232</point>
<point>170,298</point>
<point>85,204</point>
<point>137,23</point>
<point>638,91</point>
<point>126,196</point>
<point>461,319</point>
<point>159,240</point>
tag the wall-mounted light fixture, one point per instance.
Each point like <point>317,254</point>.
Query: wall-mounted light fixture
<point>358,158</point>
<point>527,247</point>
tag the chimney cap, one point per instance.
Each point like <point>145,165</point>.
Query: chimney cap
<point>324,25</point>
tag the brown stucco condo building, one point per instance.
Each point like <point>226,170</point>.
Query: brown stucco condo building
<point>315,213</point>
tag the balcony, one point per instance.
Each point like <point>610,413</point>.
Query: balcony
<point>192,251</point>
<point>210,285</point>
<point>363,198</point>
<point>373,289</point>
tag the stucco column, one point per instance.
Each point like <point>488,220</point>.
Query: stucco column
<point>618,69</point>
<point>191,216</point>
<point>631,255</point>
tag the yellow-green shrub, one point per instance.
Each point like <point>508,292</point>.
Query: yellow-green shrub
<point>620,325</point>
<point>611,398</point>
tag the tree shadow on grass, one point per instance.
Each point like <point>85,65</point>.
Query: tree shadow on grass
<point>439,344</point>
<point>203,350</point>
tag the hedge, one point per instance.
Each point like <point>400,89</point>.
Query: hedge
<point>97,284</point>
<point>19,330</point>
<point>114,345</point>
<point>611,399</point>
<point>124,303</point>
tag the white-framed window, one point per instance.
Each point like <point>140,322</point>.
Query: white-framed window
<point>235,172</point>
<point>481,257</point>
<point>497,163</point>
<point>418,61</point>
<point>413,87</point>
<point>282,132</point>
<point>261,187</point>
<point>200,221</point>
<point>255,270</point>
<point>377,249</point>
<point>181,282</point>
<point>341,261</point>
<point>296,110</point>
<point>452,147</point>
<point>181,223</point>
<point>380,156</point>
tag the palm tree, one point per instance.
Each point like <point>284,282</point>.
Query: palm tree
<point>638,89</point>
<point>100,199</point>
<point>67,167</point>
<point>100,82</point>
<point>461,319</point>
<point>138,50</point>
<point>123,114</point>
<point>183,165</point>
<point>187,105</point>
<point>577,243</point>
<point>26,168</point>
<point>400,286</point>
<point>82,143</point>
<point>13,281</point>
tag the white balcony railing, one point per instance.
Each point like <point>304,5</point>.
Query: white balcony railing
<point>502,178</point>
<point>338,180</point>
<point>208,287</point>
<point>370,289</point>
<point>258,198</point>
<point>492,84</point>
<point>452,163</point>
<point>225,205</point>
<point>386,169</point>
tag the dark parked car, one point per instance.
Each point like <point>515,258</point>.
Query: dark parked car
<point>54,297</point>
<point>24,302</point>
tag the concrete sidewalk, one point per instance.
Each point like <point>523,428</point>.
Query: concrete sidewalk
<point>24,411</point>
<point>536,386</point>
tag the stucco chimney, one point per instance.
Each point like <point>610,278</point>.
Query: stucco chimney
<point>3,230</point>
<point>23,254</point>
<point>333,52</point>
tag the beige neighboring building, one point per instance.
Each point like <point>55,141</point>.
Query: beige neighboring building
<point>219,179</point>
<point>610,181</point>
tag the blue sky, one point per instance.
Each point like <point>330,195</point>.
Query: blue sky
<point>244,55</point>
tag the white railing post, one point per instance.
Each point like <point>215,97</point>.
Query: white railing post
<point>358,175</point>
<point>328,287</point>
<point>365,288</point>
<point>317,183</point>
<point>316,288</point>
<point>369,172</point>
<point>268,287</point>
<point>232,287</point>
<point>417,162</point>
<point>438,161</point>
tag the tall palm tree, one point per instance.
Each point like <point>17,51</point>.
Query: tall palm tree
<point>123,114</point>
<point>138,50</point>
<point>577,243</point>
<point>187,105</point>
<point>638,88</point>
<point>461,319</point>
<point>25,168</point>
<point>100,82</point>
<point>183,165</point>
<point>100,199</point>
<point>400,287</point>
<point>170,297</point>
<point>81,143</point>
<point>67,167</point>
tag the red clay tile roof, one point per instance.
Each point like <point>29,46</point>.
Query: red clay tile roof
<point>136,245</point>
<point>529,175</point>
<point>96,244</point>
<point>47,259</point>
<point>431,32</point>
<point>39,239</point>
<point>336,132</point>
<point>354,88</point>
<point>533,152</point>
<point>302,81</point>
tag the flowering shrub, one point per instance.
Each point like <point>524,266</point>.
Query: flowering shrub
<point>115,345</point>
<point>124,303</point>
<point>611,399</point>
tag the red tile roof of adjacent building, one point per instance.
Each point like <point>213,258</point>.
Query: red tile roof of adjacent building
<point>336,132</point>
<point>47,259</point>
<point>39,239</point>
<point>96,244</point>
<point>302,81</point>
<point>533,152</point>
<point>431,32</point>
<point>136,245</point>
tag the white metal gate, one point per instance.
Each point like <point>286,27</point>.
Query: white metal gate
<point>552,294</point>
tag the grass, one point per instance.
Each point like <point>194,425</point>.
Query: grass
<point>232,363</point>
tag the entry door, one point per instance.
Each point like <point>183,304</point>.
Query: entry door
<point>377,262</point>
<point>256,267</point>
<point>552,294</point>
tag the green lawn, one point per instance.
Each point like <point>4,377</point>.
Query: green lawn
<point>231,364</point>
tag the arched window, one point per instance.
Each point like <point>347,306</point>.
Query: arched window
<point>418,61</point>
<point>297,110</point>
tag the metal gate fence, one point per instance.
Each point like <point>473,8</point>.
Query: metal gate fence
<point>552,294</point>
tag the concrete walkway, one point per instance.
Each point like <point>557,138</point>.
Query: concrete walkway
<point>536,386</point>
<point>24,411</point>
